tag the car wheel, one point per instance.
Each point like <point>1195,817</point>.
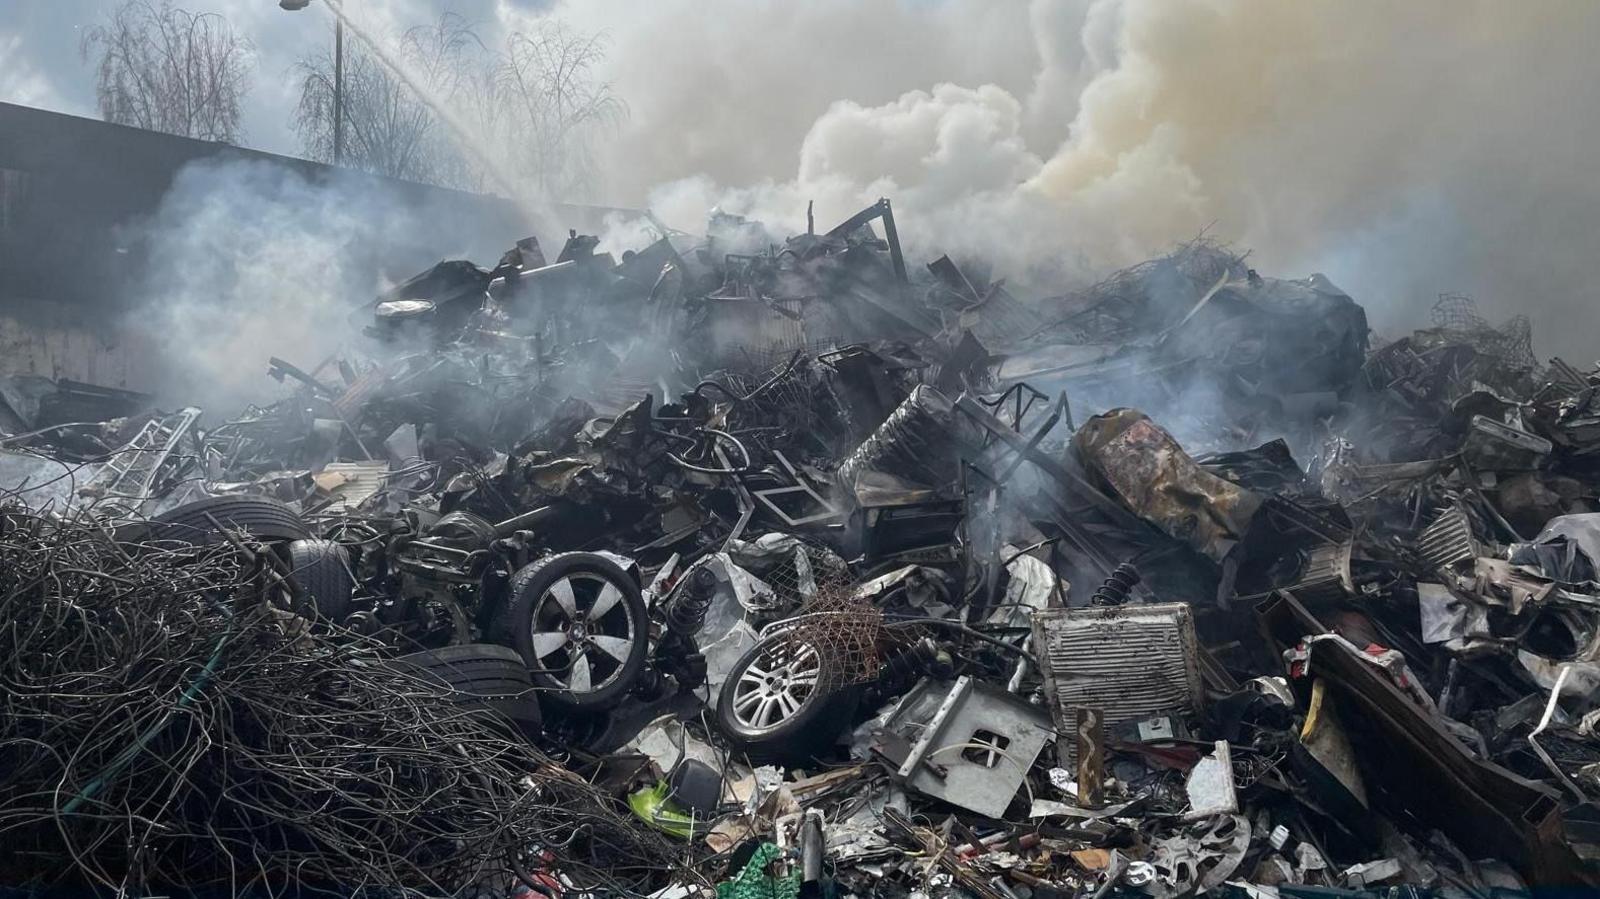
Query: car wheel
<point>479,676</point>
<point>260,517</point>
<point>322,572</point>
<point>785,701</point>
<point>579,622</point>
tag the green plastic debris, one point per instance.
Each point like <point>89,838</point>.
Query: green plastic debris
<point>753,882</point>
<point>655,807</point>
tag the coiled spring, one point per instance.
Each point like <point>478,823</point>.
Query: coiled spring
<point>688,611</point>
<point>1114,592</point>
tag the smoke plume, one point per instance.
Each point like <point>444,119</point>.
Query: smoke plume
<point>252,259</point>
<point>1402,149</point>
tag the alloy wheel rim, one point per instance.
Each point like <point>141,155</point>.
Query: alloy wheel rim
<point>776,685</point>
<point>583,632</point>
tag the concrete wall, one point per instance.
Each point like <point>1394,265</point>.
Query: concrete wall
<point>64,340</point>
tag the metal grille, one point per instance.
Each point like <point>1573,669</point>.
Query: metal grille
<point>847,638</point>
<point>841,625</point>
<point>787,400</point>
<point>751,359</point>
<point>799,402</point>
<point>812,579</point>
<point>1448,540</point>
<point>1130,662</point>
<point>1511,343</point>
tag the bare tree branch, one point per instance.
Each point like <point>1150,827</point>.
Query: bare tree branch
<point>534,107</point>
<point>163,68</point>
<point>389,130</point>
<point>554,106</point>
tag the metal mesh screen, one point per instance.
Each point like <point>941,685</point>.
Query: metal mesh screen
<point>843,627</point>
<point>1511,343</point>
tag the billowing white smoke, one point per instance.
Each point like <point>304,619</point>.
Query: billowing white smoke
<point>252,259</point>
<point>1403,149</point>
<point>952,159</point>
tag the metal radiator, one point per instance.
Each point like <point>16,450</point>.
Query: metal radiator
<point>1131,662</point>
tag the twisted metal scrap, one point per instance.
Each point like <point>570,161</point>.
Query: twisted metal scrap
<point>837,622</point>
<point>1511,343</point>
<point>160,726</point>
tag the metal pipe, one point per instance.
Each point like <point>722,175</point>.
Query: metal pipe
<point>338,90</point>
<point>524,521</point>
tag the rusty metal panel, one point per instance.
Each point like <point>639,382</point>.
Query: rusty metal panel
<point>1147,469</point>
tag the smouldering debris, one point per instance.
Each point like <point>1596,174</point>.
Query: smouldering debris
<point>738,566</point>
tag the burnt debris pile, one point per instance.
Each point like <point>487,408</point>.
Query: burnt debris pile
<point>736,566</point>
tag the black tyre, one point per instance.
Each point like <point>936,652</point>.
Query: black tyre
<point>466,657</point>
<point>579,622</point>
<point>322,572</point>
<point>480,676</point>
<point>260,517</point>
<point>786,701</point>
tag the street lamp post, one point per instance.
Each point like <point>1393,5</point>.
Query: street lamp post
<point>338,90</point>
<point>338,76</point>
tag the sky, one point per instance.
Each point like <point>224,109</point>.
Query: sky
<point>41,63</point>
<point>1402,149</point>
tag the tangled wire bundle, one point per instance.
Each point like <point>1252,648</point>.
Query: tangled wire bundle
<point>162,727</point>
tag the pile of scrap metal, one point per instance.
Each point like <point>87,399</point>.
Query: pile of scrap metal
<point>805,561</point>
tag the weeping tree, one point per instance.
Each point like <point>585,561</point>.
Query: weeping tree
<point>552,106</point>
<point>164,68</point>
<point>532,107</point>
<point>389,127</point>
